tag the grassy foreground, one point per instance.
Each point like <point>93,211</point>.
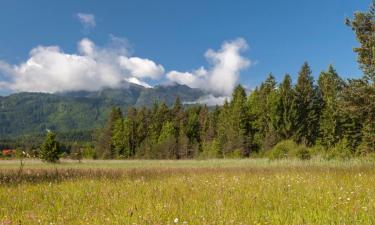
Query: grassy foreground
<point>188,192</point>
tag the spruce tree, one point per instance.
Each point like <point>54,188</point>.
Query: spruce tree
<point>330,85</point>
<point>359,95</point>
<point>49,150</point>
<point>239,121</point>
<point>307,99</point>
<point>286,109</point>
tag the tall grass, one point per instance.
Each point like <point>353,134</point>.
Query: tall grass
<point>190,192</point>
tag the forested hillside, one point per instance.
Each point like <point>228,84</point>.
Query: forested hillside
<point>33,113</point>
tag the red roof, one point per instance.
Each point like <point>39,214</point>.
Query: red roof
<point>9,151</point>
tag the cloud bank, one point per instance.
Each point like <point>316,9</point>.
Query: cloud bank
<point>49,69</point>
<point>223,75</point>
<point>87,20</point>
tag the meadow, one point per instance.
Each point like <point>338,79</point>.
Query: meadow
<point>246,191</point>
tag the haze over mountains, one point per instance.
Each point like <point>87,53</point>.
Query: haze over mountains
<point>32,113</point>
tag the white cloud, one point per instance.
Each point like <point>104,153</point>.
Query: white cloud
<point>92,67</point>
<point>210,100</point>
<point>224,73</point>
<point>49,69</point>
<point>87,20</point>
<point>141,68</point>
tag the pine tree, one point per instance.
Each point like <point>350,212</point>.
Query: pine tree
<point>106,146</point>
<point>179,116</point>
<point>132,129</point>
<point>192,132</point>
<point>286,109</point>
<point>167,141</point>
<point>262,104</point>
<point>308,102</point>
<point>363,24</point>
<point>239,121</point>
<point>49,150</point>
<point>224,130</point>
<point>330,85</point>
<point>359,95</point>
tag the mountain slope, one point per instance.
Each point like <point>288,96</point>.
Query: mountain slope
<point>33,113</point>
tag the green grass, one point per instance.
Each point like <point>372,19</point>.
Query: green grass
<point>196,192</point>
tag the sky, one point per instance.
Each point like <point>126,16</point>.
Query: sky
<point>50,45</point>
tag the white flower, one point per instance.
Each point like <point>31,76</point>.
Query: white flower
<point>176,220</point>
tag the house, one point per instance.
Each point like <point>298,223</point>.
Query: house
<point>9,152</point>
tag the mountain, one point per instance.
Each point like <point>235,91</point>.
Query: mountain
<point>33,113</point>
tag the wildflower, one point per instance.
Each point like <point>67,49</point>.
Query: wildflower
<point>176,220</point>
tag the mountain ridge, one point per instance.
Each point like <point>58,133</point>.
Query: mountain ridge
<point>32,113</point>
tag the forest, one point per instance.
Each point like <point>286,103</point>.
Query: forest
<point>331,116</point>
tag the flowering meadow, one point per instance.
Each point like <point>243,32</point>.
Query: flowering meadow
<point>253,191</point>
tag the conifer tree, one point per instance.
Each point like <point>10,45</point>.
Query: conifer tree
<point>359,95</point>
<point>330,85</point>
<point>49,150</point>
<point>307,99</point>
<point>286,109</point>
<point>106,147</point>
<point>239,121</point>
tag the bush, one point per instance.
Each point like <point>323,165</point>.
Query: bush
<point>235,154</point>
<point>340,151</point>
<point>282,150</point>
<point>289,149</point>
<point>209,150</point>
<point>317,150</point>
<point>302,153</point>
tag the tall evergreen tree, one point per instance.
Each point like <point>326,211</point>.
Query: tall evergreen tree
<point>307,99</point>
<point>286,109</point>
<point>106,147</point>
<point>261,105</point>
<point>239,121</point>
<point>359,95</point>
<point>330,85</point>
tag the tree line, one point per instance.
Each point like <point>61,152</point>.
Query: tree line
<point>309,113</point>
<point>332,113</point>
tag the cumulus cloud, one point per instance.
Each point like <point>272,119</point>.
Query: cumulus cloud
<point>49,69</point>
<point>223,74</point>
<point>87,20</point>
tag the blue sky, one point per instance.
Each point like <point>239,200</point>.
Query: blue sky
<point>176,34</point>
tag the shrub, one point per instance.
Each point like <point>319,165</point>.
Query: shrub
<point>340,151</point>
<point>302,153</point>
<point>235,154</point>
<point>209,150</point>
<point>282,150</point>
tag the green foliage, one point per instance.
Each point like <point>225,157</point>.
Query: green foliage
<point>210,150</point>
<point>289,149</point>
<point>286,109</point>
<point>363,25</point>
<point>31,113</point>
<point>330,85</point>
<point>282,150</point>
<point>49,150</point>
<point>308,106</point>
<point>340,151</point>
<point>302,152</point>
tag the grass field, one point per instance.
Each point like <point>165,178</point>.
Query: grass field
<point>188,192</point>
